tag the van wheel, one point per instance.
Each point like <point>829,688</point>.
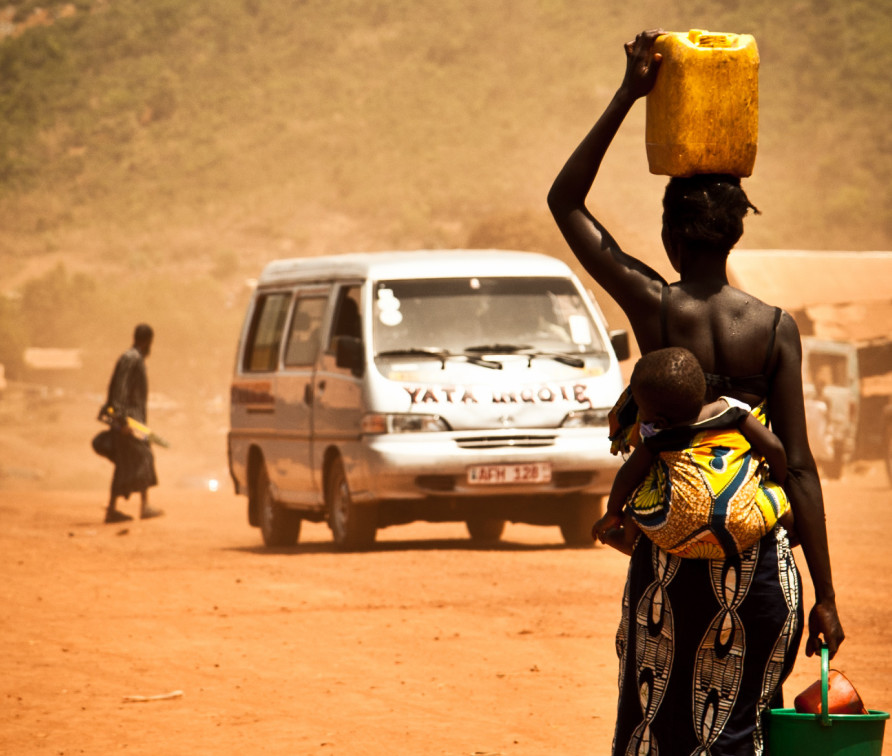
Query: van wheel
<point>278,526</point>
<point>583,511</point>
<point>353,528</point>
<point>485,529</point>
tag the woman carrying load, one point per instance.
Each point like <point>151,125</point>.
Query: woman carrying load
<point>705,644</point>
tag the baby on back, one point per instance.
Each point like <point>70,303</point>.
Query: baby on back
<point>706,481</point>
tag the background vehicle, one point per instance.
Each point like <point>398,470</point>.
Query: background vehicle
<point>842,303</point>
<point>848,389</point>
<point>832,389</point>
<point>382,388</point>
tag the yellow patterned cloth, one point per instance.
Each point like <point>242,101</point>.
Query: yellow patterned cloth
<point>709,498</point>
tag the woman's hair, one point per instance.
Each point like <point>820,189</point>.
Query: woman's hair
<point>671,381</point>
<point>704,213</point>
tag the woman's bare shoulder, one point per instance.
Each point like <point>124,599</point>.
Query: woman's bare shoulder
<point>743,307</point>
<point>744,298</point>
<point>788,335</point>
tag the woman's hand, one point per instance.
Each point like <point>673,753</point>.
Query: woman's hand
<point>642,64</point>
<point>823,622</point>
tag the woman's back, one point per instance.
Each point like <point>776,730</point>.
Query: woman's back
<point>731,333</point>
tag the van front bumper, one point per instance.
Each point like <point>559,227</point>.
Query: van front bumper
<point>423,465</point>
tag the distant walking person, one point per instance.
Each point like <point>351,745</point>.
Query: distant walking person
<point>134,462</point>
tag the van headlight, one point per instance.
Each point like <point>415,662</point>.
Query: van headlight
<point>587,418</point>
<point>402,423</point>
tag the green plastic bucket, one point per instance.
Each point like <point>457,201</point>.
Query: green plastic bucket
<point>792,734</point>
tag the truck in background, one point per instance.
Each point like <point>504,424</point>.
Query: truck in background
<point>842,303</point>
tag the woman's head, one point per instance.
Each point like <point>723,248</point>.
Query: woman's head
<point>668,386</point>
<point>704,213</point>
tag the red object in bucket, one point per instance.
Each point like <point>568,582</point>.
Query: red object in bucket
<point>842,698</point>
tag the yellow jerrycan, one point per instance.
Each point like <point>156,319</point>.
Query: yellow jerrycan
<point>703,111</point>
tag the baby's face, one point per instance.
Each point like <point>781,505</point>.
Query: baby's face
<point>648,414</point>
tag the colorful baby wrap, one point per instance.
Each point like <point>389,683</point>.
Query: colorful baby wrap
<point>707,496</point>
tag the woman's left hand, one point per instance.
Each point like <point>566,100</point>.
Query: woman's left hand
<point>823,622</point>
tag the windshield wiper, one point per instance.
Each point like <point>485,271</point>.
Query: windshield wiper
<point>499,348</point>
<point>527,351</point>
<point>566,359</point>
<point>414,352</point>
<point>440,354</point>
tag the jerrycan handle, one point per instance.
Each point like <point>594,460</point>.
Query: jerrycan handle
<point>825,684</point>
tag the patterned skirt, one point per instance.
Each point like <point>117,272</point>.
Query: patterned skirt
<point>704,647</point>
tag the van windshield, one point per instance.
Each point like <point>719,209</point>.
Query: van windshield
<point>483,316</point>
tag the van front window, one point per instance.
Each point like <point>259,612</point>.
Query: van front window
<point>483,315</point>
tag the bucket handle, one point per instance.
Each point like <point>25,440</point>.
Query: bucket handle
<point>825,682</point>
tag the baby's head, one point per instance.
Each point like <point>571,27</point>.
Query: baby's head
<point>669,387</point>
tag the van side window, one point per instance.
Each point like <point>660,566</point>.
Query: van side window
<point>347,321</point>
<point>303,338</point>
<point>262,351</point>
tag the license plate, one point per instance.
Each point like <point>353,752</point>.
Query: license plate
<point>494,475</point>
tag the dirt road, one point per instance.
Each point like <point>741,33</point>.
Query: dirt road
<point>426,645</point>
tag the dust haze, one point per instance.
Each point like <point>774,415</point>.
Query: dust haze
<point>317,130</point>
<point>154,156</point>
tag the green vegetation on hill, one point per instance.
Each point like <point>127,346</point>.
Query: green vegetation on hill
<point>187,142</point>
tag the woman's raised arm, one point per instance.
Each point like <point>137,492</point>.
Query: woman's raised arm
<point>631,283</point>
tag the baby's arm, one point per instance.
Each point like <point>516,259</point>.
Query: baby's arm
<point>623,537</point>
<point>768,445</point>
<point>628,478</point>
<point>772,449</point>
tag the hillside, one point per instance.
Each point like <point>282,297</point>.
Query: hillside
<point>161,152</point>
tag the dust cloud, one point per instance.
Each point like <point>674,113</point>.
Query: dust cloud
<point>438,128</point>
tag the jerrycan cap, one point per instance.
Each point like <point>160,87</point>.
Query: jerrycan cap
<point>702,38</point>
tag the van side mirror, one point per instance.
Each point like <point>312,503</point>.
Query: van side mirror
<point>349,354</point>
<point>619,340</point>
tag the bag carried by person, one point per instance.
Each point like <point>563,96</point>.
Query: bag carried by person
<point>104,444</point>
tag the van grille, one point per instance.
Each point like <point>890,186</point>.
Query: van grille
<point>497,442</point>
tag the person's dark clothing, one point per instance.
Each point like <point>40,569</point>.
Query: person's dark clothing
<point>128,389</point>
<point>128,393</point>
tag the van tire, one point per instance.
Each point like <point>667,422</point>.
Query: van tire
<point>583,511</point>
<point>353,527</point>
<point>485,529</point>
<point>278,526</point>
